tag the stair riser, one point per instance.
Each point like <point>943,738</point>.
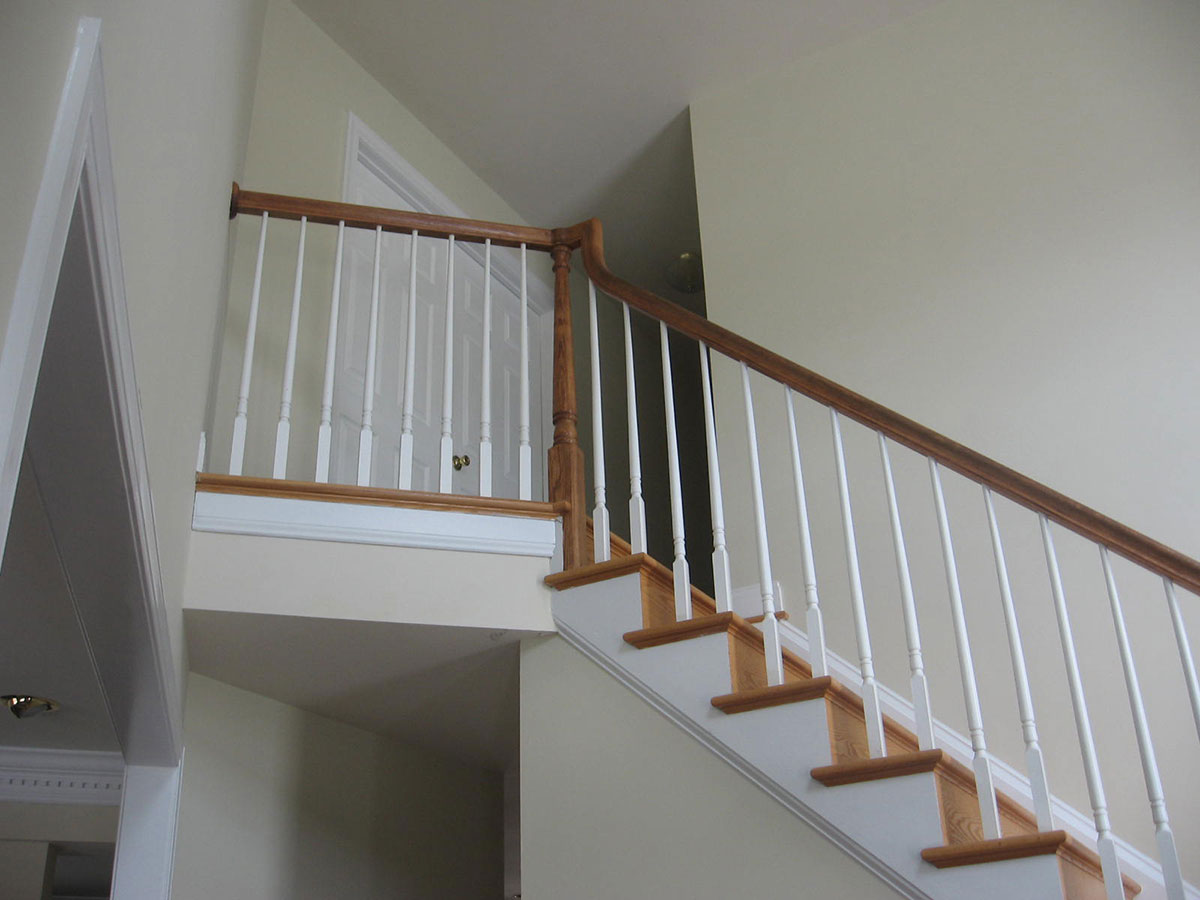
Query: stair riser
<point>778,746</point>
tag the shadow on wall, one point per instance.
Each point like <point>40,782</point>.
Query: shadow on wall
<point>374,818</point>
<point>638,248</point>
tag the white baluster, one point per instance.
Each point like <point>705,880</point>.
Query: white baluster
<point>637,505</point>
<point>404,479</point>
<point>485,405</point>
<point>813,620</point>
<point>202,451</point>
<point>284,430</point>
<point>981,760</point>
<point>367,436</point>
<point>237,451</point>
<point>722,580</point>
<point>524,451</point>
<point>683,579</point>
<point>870,688</point>
<point>1185,653</point>
<point>1034,761</point>
<point>922,708</point>
<point>600,528</point>
<point>325,429</point>
<point>446,455</point>
<point>1105,845</point>
<point>772,647</point>
<point>1168,854</point>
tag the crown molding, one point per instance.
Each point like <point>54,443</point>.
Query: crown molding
<point>92,777</point>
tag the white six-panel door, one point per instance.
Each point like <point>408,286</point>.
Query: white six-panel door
<point>365,186</point>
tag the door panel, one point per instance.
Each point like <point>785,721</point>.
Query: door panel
<point>367,188</point>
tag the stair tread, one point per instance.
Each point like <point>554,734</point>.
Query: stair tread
<point>697,626</point>
<point>894,766</point>
<point>801,686</point>
<point>775,695</point>
<point>1018,846</point>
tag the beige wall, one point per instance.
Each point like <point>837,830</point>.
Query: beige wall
<point>292,577</point>
<point>58,822</point>
<point>984,217</point>
<point>280,804</point>
<point>26,869</point>
<point>618,802</point>
<point>179,78</point>
<point>307,86</point>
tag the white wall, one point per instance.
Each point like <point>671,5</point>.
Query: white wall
<point>618,802</point>
<point>280,804</point>
<point>985,217</point>
<point>179,78</point>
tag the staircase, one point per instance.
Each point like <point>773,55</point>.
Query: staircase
<point>928,822</point>
<point>804,742</point>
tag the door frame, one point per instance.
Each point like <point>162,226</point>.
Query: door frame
<point>365,147</point>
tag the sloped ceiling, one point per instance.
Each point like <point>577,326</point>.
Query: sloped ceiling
<point>571,109</point>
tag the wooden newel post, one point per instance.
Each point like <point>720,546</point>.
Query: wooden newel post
<point>565,458</point>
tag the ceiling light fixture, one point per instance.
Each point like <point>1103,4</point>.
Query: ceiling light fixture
<point>24,706</point>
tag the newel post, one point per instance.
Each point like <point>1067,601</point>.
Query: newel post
<point>565,457</point>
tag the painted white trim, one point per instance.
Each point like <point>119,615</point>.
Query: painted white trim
<point>78,168</point>
<point>98,195</point>
<point>1137,865</point>
<point>61,776</point>
<point>145,858</point>
<point>37,279</point>
<point>364,146</point>
<point>357,523</point>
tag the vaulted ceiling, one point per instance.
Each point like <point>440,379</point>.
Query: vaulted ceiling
<point>571,109</point>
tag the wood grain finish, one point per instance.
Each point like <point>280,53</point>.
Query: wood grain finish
<point>588,236</point>
<point>774,695</point>
<point>975,852</point>
<point>1125,541</point>
<point>565,463</point>
<point>699,626</point>
<point>347,493</point>
<point>876,769</point>
<point>473,231</point>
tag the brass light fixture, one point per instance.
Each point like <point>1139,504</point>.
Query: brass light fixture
<point>25,706</point>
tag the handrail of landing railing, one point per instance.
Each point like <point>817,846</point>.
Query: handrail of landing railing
<point>587,236</point>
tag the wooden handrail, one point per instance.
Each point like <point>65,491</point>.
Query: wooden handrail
<point>1033,495</point>
<point>588,237</point>
<point>326,212</point>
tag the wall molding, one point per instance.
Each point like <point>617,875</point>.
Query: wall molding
<point>358,523</point>
<point>90,777</point>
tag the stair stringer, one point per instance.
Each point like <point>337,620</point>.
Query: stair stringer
<point>776,748</point>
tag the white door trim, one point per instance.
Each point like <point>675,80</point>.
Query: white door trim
<point>77,177</point>
<point>364,146</point>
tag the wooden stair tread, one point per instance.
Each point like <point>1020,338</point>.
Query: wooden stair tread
<point>972,853</point>
<point>775,695</point>
<point>963,847</point>
<point>697,626</point>
<point>894,766</point>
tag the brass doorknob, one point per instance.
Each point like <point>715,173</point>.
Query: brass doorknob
<point>460,461</point>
